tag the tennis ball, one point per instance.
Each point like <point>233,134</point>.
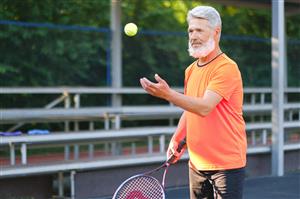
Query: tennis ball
<point>130,29</point>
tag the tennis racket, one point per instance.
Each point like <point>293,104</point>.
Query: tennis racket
<point>144,186</point>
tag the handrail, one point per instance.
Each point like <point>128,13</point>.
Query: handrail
<point>89,135</point>
<point>74,90</point>
<point>115,134</point>
<point>88,113</point>
<point>110,90</point>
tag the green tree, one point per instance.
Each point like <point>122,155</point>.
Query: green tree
<point>54,56</point>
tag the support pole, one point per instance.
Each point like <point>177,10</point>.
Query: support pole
<point>60,182</point>
<point>12,154</point>
<point>23,153</point>
<point>278,85</point>
<point>116,49</point>
<point>72,184</point>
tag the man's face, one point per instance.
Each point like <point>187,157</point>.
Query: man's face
<point>201,40</point>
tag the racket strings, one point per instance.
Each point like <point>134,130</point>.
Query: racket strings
<point>141,187</point>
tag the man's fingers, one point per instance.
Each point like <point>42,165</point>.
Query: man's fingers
<point>158,78</point>
<point>143,83</point>
<point>148,86</point>
<point>152,84</point>
<point>174,150</point>
<point>148,82</point>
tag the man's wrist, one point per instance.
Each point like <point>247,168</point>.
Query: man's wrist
<point>170,95</point>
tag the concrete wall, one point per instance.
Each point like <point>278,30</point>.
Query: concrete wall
<point>260,164</point>
<point>31,187</point>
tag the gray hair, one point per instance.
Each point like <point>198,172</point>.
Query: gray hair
<point>206,12</point>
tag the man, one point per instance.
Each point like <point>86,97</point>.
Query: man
<point>212,120</point>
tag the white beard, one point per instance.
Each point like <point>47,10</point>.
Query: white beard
<point>202,51</point>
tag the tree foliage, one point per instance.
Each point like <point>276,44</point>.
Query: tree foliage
<point>56,55</point>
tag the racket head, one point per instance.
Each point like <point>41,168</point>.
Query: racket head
<point>140,187</point>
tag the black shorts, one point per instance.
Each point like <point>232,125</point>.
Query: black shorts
<point>223,184</point>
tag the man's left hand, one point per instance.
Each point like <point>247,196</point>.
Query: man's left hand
<point>160,89</point>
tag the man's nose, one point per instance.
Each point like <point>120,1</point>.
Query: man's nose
<point>193,35</point>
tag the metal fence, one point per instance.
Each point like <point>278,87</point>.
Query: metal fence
<point>74,55</point>
<point>85,131</point>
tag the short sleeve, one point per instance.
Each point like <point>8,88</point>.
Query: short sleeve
<point>187,75</point>
<point>225,79</point>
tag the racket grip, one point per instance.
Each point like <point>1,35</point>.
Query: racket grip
<point>179,148</point>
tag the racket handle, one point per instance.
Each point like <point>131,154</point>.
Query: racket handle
<point>179,148</point>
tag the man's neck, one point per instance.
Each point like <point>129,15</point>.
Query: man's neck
<point>210,56</point>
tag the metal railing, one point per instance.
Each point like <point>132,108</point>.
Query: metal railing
<point>114,140</point>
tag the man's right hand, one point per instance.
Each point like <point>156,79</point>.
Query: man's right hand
<point>172,150</point>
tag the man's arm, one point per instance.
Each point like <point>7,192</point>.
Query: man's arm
<point>201,106</point>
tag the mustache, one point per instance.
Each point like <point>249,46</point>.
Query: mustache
<point>195,42</point>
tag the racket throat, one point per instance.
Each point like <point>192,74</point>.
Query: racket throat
<point>164,175</point>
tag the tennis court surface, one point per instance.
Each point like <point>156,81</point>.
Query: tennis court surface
<point>286,187</point>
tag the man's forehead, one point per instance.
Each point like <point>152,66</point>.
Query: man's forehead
<point>198,22</point>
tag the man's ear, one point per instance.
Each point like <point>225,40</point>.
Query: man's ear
<point>217,31</point>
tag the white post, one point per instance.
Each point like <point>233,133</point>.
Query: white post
<point>278,85</point>
<point>264,136</point>
<point>77,106</point>
<point>91,151</point>
<point>116,146</point>
<point>67,152</point>
<point>67,125</point>
<point>76,126</point>
<point>23,153</point>
<point>67,105</point>
<point>133,148</point>
<point>12,154</point>
<point>60,183</point>
<point>76,151</point>
<point>150,144</point>
<point>106,122</point>
<point>162,143</point>
<point>116,48</point>
<point>72,184</point>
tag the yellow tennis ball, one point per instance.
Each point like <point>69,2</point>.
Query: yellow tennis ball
<point>130,29</point>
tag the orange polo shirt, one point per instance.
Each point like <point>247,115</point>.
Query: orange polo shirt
<point>218,140</point>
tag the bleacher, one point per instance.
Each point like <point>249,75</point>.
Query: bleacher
<point>115,145</point>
